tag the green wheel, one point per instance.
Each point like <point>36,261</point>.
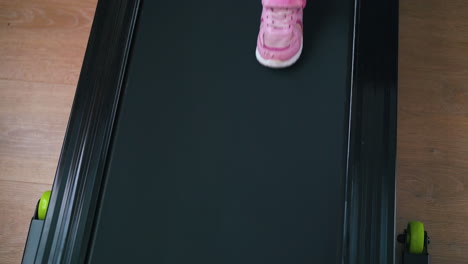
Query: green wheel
<point>415,237</point>
<point>43,205</point>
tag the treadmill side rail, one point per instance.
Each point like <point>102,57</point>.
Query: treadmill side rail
<point>415,259</point>
<point>32,243</point>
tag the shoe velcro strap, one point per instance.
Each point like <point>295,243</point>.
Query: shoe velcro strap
<point>284,3</point>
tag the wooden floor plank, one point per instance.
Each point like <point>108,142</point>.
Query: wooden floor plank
<point>33,119</point>
<point>433,124</point>
<point>43,42</point>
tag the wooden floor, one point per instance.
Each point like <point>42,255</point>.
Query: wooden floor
<point>433,124</point>
<point>42,43</point>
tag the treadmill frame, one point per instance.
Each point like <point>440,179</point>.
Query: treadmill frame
<point>369,224</point>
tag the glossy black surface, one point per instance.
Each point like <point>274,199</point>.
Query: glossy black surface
<point>370,228</point>
<point>217,159</point>
<point>77,184</point>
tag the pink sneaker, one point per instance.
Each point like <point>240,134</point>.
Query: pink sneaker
<point>279,42</point>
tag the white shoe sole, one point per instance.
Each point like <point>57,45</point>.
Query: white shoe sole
<point>277,64</point>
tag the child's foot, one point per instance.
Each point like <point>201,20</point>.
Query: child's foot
<point>279,42</point>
